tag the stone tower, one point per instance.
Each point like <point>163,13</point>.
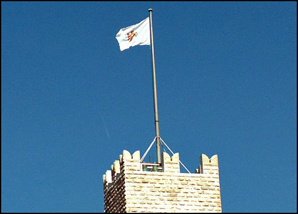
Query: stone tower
<point>135,186</point>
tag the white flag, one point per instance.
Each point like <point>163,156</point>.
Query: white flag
<point>138,34</point>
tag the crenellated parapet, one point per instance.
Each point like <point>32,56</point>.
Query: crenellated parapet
<point>130,188</point>
<point>171,164</point>
<point>208,166</point>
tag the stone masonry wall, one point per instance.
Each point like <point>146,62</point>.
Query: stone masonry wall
<point>129,189</point>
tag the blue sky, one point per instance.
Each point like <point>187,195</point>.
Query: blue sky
<point>71,101</point>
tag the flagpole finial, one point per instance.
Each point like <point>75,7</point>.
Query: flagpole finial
<point>150,9</point>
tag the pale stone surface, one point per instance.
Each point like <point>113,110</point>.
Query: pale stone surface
<point>129,189</point>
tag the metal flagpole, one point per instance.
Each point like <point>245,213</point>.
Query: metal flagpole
<point>154,90</point>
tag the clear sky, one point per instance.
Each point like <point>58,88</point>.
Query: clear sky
<point>71,101</point>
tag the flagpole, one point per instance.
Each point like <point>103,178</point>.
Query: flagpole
<point>154,90</point>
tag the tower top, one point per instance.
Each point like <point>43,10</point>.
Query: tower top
<point>132,186</point>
